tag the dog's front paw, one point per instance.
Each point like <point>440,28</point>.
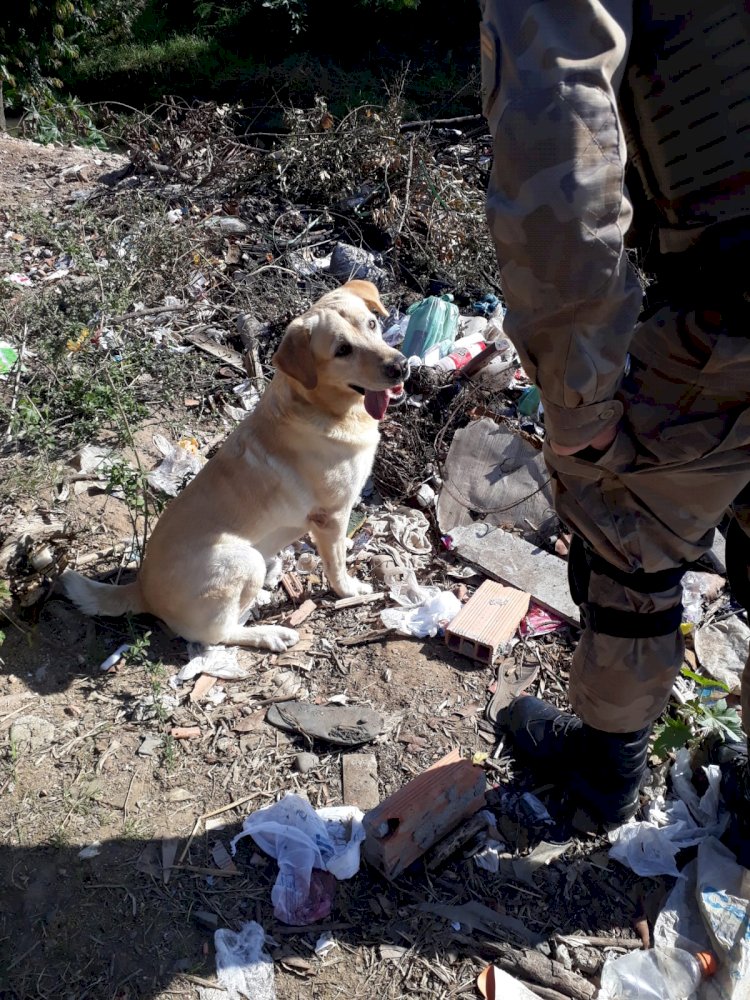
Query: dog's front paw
<point>354,588</point>
<point>282,638</point>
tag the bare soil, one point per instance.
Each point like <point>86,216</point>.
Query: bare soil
<point>123,922</point>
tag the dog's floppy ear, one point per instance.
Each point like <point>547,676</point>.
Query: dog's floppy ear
<point>368,293</point>
<point>294,356</point>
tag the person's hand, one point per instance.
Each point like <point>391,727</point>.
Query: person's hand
<point>601,442</point>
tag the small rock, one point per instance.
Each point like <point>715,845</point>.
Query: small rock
<point>149,746</point>
<point>78,172</point>
<point>250,329</point>
<point>305,762</point>
<point>206,918</point>
<point>31,732</point>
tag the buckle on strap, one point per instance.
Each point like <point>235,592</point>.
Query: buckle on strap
<point>630,624</point>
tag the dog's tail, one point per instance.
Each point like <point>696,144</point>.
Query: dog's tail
<point>95,598</point>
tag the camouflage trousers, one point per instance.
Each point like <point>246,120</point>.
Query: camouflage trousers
<point>680,459</point>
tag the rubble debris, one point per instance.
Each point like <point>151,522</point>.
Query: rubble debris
<point>514,561</point>
<point>418,815</point>
<point>149,745</point>
<point>342,725</point>
<point>185,732</point>
<point>302,613</point>
<point>487,621</point>
<point>31,732</point>
<point>305,762</point>
<point>359,779</point>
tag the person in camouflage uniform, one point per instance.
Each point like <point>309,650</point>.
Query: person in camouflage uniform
<point>622,125</point>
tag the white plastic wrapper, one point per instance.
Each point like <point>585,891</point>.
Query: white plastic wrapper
<point>650,847</point>
<point>302,839</point>
<point>218,661</point>
<point>244,968</point>
<point>181,462</point>
<point>425,620</point>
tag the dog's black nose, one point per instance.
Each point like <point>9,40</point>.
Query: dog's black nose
<point>398,369</point>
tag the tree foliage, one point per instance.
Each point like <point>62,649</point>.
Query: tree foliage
<point>38,38</point>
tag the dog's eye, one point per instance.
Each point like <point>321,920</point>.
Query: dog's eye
<point>342,350</point>
<point>373,324</point>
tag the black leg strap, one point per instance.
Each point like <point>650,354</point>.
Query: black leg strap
<point>630,624</point>
<point>640,581</point>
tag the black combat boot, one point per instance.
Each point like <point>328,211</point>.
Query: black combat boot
<point>602,771</point>
<point>735,789</point>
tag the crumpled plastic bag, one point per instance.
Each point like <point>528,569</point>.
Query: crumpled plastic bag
<point>425,620</point>
<point>243,966</point>
<point>707,910</point>
<point>217,661</point>
<point>181,462</point>
<point>302,840</point>
<point>649,847</point>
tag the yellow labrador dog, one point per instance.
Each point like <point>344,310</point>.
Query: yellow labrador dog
<point>295,465</point>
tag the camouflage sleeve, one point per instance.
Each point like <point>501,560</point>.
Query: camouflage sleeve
<point>556,205</point>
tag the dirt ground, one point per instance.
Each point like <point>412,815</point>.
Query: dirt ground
<point>104,893</point>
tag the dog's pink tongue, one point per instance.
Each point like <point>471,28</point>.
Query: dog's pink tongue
<point>376,403</point>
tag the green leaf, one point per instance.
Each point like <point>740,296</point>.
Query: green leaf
<point>704,682</point>
<point>670,735</point>
<point>720,719</point>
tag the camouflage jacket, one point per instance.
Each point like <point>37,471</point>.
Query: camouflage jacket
<point>557,207</point>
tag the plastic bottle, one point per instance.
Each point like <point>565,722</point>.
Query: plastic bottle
<point>657,974</point>
<point>431,321</point>
<point>461,355</point>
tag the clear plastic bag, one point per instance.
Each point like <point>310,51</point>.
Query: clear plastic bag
<point>657,974</point>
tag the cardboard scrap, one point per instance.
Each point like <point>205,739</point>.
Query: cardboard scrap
<point>492,471</point>
<point>514,561</point>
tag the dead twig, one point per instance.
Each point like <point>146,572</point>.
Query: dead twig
<point>156,311</point>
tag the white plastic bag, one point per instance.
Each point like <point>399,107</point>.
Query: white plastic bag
<point>302,839</point>
<point>243,966</point>
<point>650,847</point>
<point>425,620</point>
<point>181,462</point>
